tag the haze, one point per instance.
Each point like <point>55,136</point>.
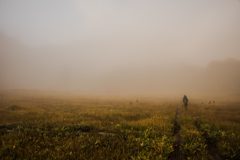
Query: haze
<point>120,46</point>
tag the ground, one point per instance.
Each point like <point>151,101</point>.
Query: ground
<point>48,126</point>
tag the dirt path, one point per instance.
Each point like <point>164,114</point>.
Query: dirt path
<point>213,151</point>
<point>177,154</point>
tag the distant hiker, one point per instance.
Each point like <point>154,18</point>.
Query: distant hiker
<point>185,102</point>
<point>185,98</point>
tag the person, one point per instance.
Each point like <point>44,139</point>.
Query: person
<point>185,102</point>
<point>185,98</point>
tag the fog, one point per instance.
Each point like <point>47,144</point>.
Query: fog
<point>120,47</point>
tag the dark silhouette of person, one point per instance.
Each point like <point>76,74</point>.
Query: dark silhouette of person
<point>185,102</point>
<point>185,98</point>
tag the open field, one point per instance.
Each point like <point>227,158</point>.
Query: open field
<point>42,126</point>
<point>220,124</point>
<point>108,80</point>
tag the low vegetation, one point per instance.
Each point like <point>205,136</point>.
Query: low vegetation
<point>61,128</point>
<point>220,123</point>
<point>47,127</point>
<point>193,144</point>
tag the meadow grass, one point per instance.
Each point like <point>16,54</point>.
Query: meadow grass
<point>193,144</point>
<point>45,127</point>
<point>220,121</point>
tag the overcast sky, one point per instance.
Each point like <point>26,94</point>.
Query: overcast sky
<point>200,31</point>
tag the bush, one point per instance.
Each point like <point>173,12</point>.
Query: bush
<point>14,107</point>
<point>83,127</point>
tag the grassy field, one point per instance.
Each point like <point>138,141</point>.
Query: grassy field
<point>41,126</point>
<point>220,122</point>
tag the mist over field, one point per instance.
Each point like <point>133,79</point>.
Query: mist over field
<point>122,47</point>
<point>90,79</point>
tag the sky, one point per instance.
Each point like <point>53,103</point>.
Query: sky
<point>205,29</point>
<point>104,36</point>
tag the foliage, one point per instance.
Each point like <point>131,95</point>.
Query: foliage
<point>47,127</point>
<point>193,144</point>
<point>226,141</point>
<point>220,123</point>
<point>60,129</point>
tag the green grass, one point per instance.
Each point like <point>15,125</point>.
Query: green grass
<point>193,144</point>
<point>43,126</point>
<point>60,128</point>
<point>221,123</point>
